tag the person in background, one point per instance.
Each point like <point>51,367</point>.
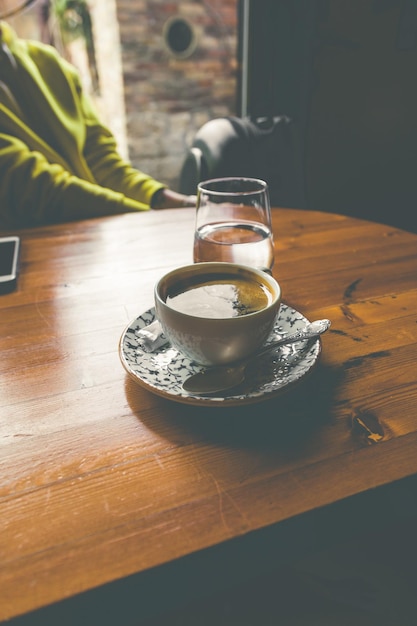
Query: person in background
<point>58,162</point>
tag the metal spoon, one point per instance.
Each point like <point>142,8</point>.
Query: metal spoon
<point>222,377</point>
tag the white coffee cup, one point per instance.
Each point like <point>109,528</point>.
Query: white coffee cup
<point>217,313</point>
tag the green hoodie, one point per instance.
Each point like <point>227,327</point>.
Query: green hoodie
<point>57,161</point>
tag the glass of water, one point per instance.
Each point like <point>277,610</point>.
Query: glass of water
<point>233,222</point>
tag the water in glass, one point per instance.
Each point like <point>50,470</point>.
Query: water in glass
<point>249,243</point>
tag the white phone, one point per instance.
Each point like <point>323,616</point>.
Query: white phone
<point>9,263</point>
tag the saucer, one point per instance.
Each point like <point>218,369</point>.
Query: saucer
<point>163,372</point>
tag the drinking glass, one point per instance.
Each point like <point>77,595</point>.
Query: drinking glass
<point>233,222</point>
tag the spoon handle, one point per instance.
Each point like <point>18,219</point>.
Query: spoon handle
<point>311,330</point>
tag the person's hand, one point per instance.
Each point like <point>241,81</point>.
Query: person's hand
<point>168,199</point>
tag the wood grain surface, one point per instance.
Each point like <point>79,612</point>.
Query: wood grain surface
<point>100,479</point>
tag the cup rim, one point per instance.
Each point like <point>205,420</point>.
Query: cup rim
<point>222,265</point>
<point>203,186</point>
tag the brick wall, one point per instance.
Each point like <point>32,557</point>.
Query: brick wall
<point>168,97</point>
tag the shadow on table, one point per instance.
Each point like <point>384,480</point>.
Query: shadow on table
<point>286,422</point>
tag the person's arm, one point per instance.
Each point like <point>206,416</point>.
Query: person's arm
<point>34,191</point>
<point>112,171</point>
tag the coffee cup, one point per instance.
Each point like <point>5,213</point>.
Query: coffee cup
<point>217,313</point>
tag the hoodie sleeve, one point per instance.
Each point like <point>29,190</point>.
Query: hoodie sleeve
<point>104,161</point>
<point>34,191</point>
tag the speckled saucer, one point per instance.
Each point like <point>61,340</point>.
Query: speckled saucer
<point>163,372</point>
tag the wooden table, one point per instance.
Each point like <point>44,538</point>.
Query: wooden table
<point>109,493</point>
